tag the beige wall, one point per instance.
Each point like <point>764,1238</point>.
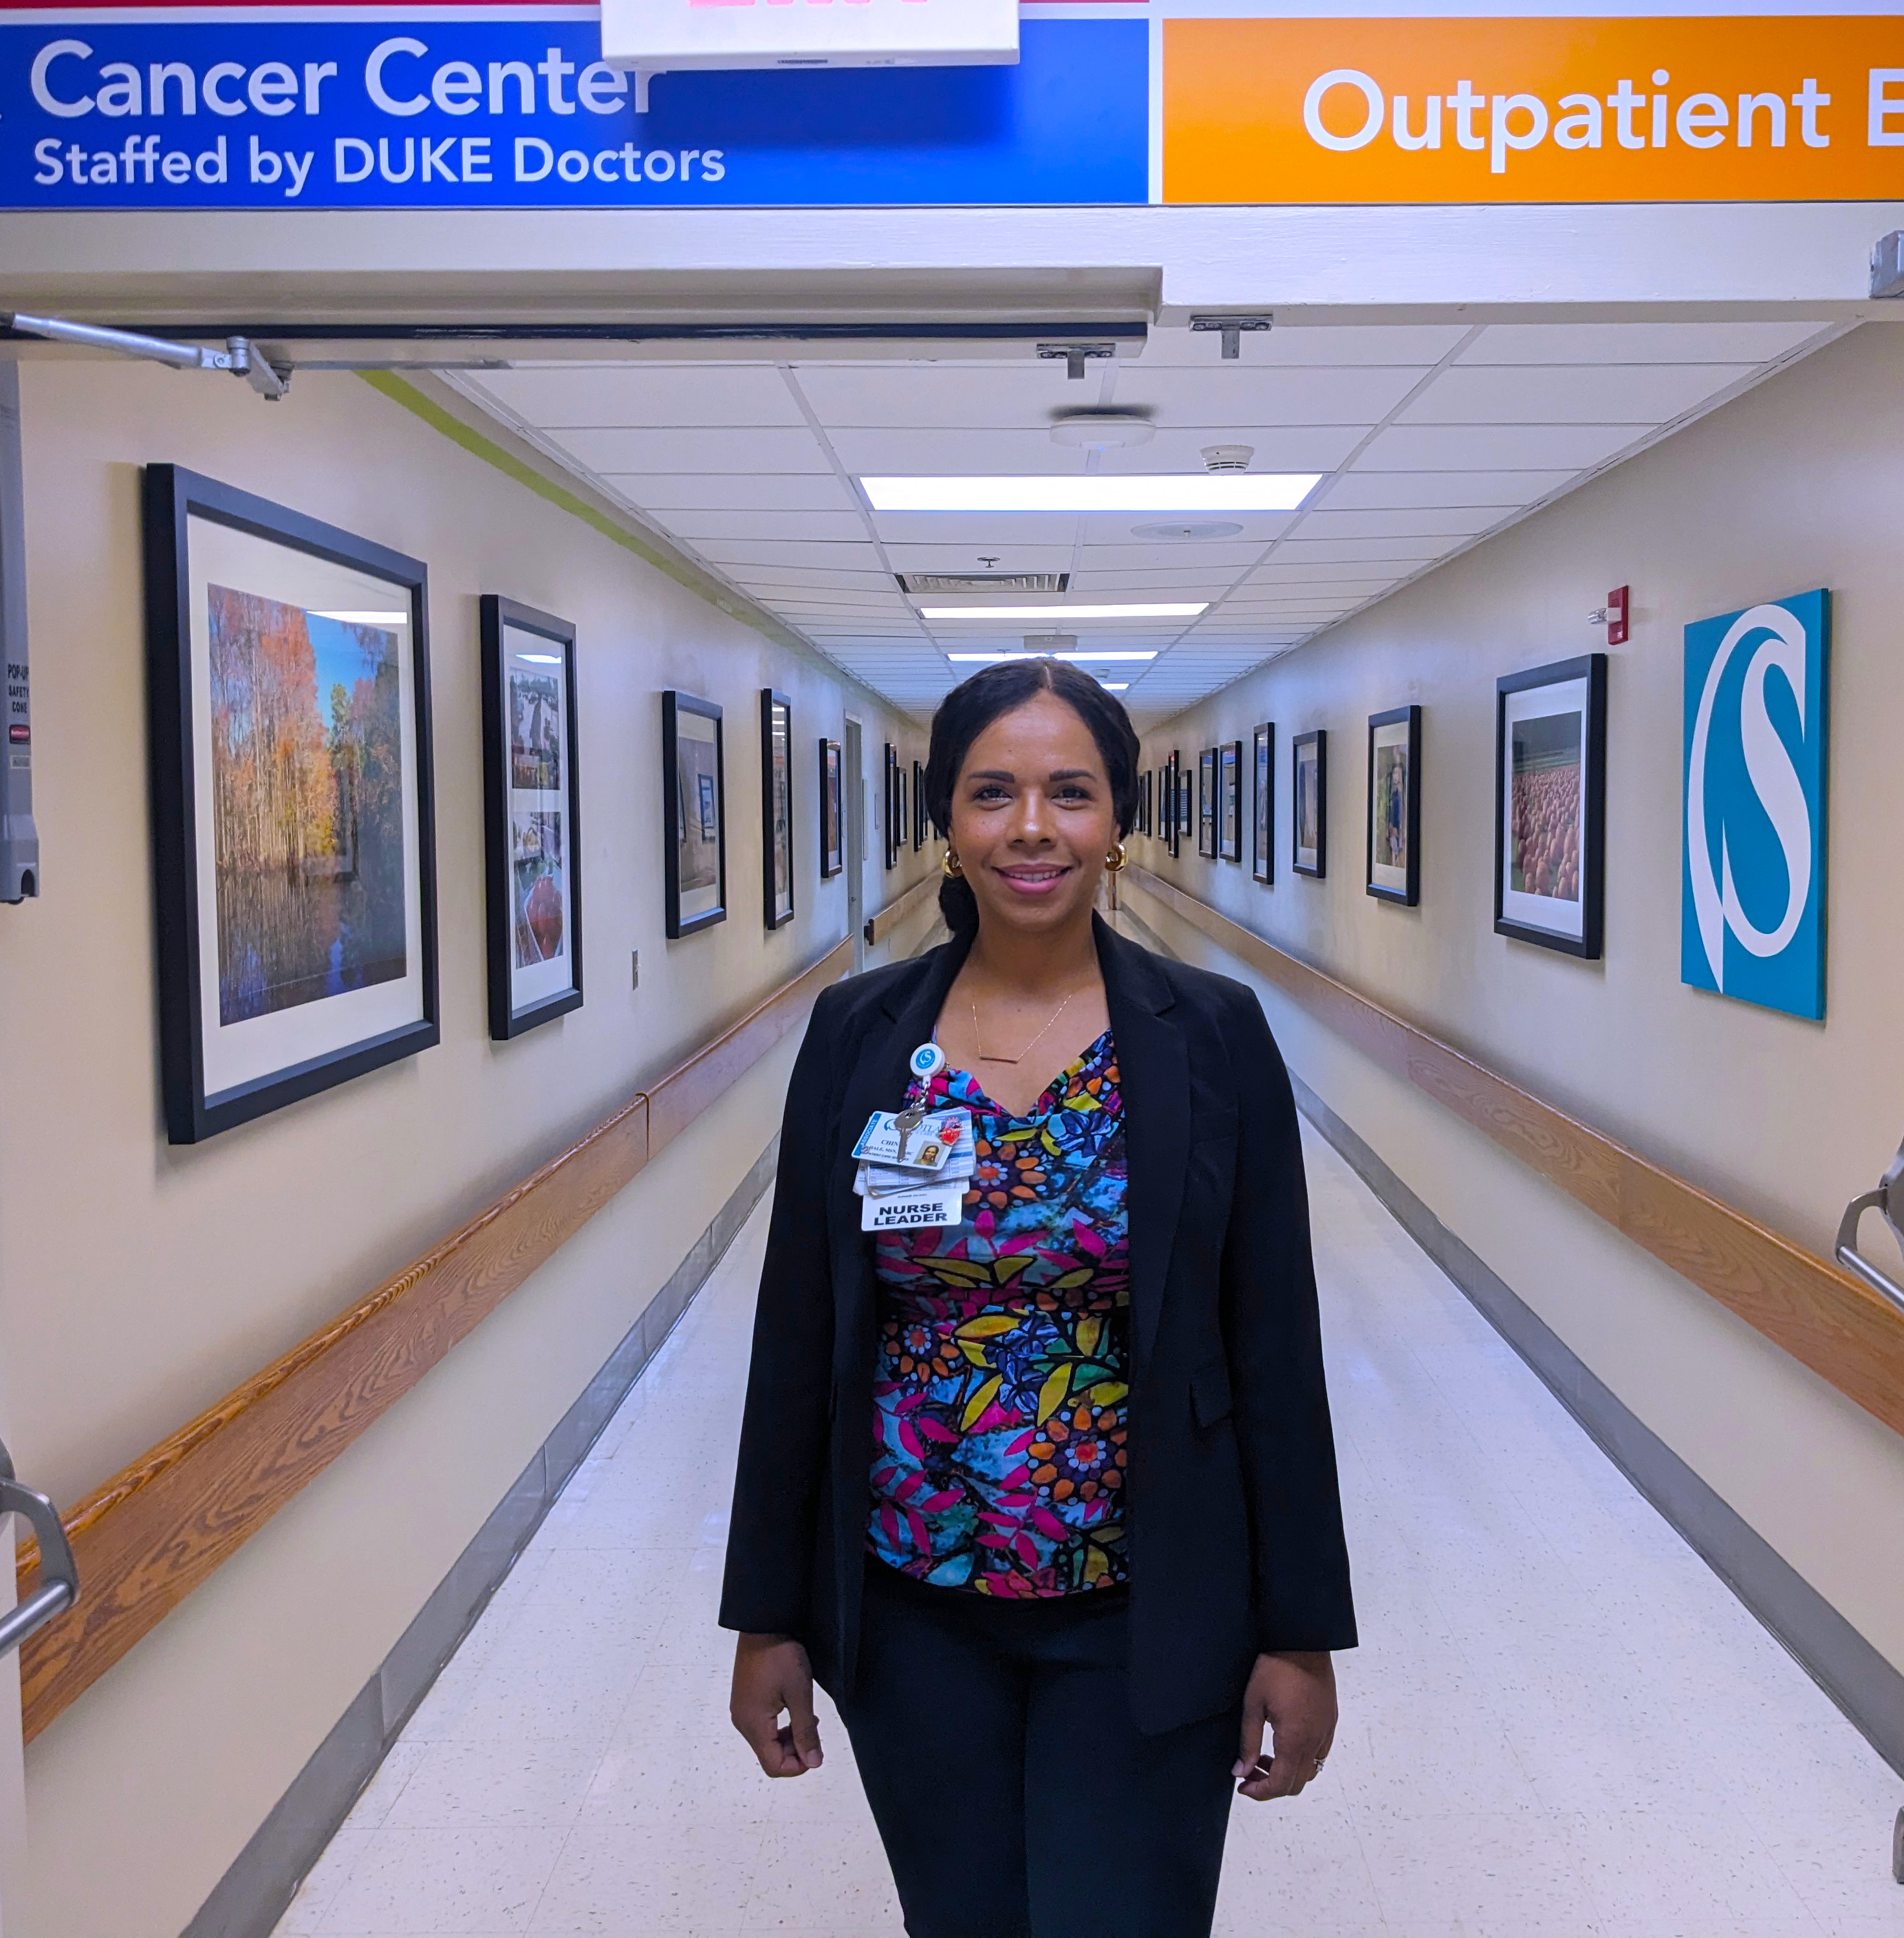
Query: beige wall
<point>137,1281</point>
<point>1798,484</point>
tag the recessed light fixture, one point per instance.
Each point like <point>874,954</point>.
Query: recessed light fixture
<point>1203,491</point>
<point>1189,610</point>
<point>989,659</point>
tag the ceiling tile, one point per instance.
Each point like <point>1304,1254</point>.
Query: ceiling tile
<point>1343,571</point>
<point>679,451</point>
<point>1228,394</point>
<point>787,577</point>
<point>1504,446</point>
<point>832,553</point>
<point>649,395</point>
<point>968,396</point>
<point>1502,492</point>
<point>1625,393</point>
<point>1425,521</point>
<point>1300,344</point>
<point>961,558</point>
<point>743,491</point>
<point>1209,558</point>
<point>978,532</point>
<point>1387,551</point>
<point>1638,342</point>
<point>964,453</point>
<point>695,526</point>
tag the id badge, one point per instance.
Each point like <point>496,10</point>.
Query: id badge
<point>925,1148</point>
<point>914,1212</point>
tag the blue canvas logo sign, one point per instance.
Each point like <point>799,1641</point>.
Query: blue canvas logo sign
<point>1753,919</point>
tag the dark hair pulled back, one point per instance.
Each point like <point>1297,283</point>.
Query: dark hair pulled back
<point>971,707</point>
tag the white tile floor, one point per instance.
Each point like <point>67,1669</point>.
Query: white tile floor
<point>1559,1722</point>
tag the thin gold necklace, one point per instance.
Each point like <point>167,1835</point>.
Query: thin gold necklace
<point>979,1046</point>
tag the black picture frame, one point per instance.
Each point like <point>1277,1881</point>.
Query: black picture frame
<point>889,834</point>
<point>1262,824</point>
<point>1394,819</point>
<point>1185,801</point>
<point>1207,803</point>
<point>776,808</point>
<point>1575,690</point>
<point>512,810</point>
<point>1229,800</point>
<point>832,816</point>
<point>203,1095</point>
<point>1310,751</point>
<point>1174,815</point>
<point>682,831</point>
<point>918,807</point>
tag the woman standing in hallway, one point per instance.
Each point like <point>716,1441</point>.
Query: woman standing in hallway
<point>1044,1496</point>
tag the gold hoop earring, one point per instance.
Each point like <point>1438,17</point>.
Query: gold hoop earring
<point>1114,861</point>
<point>950,866</point>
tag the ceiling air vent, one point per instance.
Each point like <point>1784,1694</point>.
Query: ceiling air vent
<point>943,582</point>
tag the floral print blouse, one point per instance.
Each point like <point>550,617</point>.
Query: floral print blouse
<point>1000,1389</point>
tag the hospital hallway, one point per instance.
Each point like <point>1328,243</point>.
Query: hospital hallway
<point>1560,1724</point>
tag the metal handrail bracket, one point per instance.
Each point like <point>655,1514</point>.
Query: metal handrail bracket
<point>59,1588</point>
<point>1888,1199</point>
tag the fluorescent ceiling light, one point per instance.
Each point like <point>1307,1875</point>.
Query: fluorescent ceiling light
<point>1189,610</point>
<point>1198,491</point>
<point>991,659</point>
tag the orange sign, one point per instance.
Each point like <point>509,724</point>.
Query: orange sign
<point>1684,109</point>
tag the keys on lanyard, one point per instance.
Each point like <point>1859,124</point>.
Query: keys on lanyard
<point>898,1190</point>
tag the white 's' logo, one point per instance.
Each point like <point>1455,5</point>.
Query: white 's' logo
<point>1775,779</point>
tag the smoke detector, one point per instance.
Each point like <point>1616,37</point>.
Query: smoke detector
<point>1228,456</point>
<point>1180,534</point>
<point>1101,430</point>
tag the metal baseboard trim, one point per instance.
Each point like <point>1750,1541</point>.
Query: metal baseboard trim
<point>1865,1686</point>
<point>254,1894</point>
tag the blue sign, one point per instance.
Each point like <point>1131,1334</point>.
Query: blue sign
<point>1752,923</point>
<point>487,113</point>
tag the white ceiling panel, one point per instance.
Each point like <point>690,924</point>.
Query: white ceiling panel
<point>1609,394</point>
<point>1404,552</point>
<point>1230,556</point>
<point>790,576</point>
<point>737,491</point>
<point>1322,571</point>
<point>834,553</point>
<point>962,558</point>
<point>1234,394</point>
<point>1030,453</point>
<point>971,395</point>
<point>1636,342</point>
<point>1287,345</point>
<point>1422,521</point>
<point>979,532</point>
<point>694,526</point>
<point>1090,582</point>
<point>1119,528</point>
<point>1500,446</point>
<point>648,395</point>
<point>616,452</point>
<point>1501,491</point>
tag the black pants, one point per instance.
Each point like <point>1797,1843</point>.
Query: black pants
<point>1015,1796</point>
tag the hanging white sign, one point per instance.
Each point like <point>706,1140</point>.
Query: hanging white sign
<point>660,35</point>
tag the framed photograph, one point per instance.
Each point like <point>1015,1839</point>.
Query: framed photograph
<point>1262,835</point>
<point>776,807</point>
<point>292,823</point>
<point>1550,805</point>
<point>1229,800</point>
<point>918,807</point>
<point>1207,802</point>
<point>1309,804</point>
<point>832,822</point>
<point>890,834</point>
<point>1395,805</point>
<point>900,819</point>
<point>1176,808</point>
<point>694,813</point>
<point>532,809</point>
<point>1186,804</point>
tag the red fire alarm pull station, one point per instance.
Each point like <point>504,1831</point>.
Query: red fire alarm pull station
<point>1616,615</point>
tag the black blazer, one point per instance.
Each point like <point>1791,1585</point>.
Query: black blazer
<point>1233,1517</point>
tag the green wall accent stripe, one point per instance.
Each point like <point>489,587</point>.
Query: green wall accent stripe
<point>413,400</point>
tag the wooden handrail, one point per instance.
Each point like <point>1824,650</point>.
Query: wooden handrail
<point>155,1531</point>
<point>878,927</point>
<point>1822,1316</point>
